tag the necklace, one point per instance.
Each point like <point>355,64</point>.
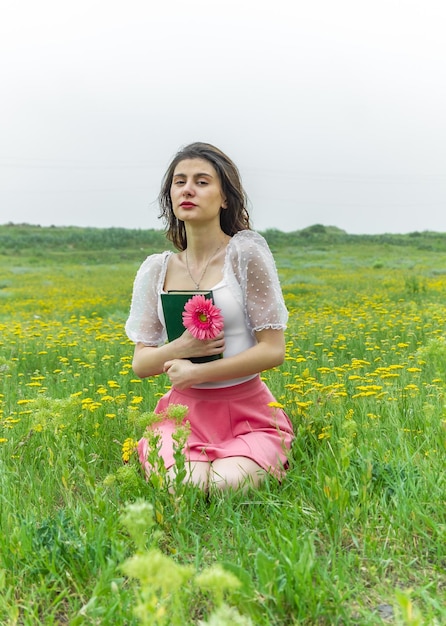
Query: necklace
<point>197,284</point>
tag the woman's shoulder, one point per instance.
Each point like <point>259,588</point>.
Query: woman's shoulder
<point>248,235</point>
<point>153,266</point>
<point>155,261</point>
<point>246,240</point>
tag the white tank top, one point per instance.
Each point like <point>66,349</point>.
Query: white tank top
<point>237,336</point>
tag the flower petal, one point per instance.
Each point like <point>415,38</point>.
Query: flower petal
<point>202,318</point>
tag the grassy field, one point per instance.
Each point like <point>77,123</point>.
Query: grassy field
<point>356,533</point>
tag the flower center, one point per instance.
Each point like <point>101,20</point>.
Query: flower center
<point>203,317</point>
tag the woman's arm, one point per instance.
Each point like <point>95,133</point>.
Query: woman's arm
<point>268,352</point>
<point>150,360</point>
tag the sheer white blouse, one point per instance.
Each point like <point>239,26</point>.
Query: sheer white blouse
<point>249,271</point>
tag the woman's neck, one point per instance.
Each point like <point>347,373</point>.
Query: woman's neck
<point>201,244</point>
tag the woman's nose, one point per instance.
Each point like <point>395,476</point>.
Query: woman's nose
<point>188,189</point>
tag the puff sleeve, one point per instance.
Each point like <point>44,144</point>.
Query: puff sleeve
<point>251,264</point>
<point>143,324</point>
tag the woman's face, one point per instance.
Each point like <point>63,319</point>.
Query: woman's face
<point>196,192</point>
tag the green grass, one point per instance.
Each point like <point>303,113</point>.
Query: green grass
<point>355,534</point>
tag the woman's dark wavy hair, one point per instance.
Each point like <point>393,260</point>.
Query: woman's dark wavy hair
<point>233,218</point>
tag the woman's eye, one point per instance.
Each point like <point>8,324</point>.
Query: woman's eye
<point>202,182</point>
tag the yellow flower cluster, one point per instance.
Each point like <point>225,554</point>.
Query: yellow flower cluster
<point>354,343</point>
<point>128,448</point>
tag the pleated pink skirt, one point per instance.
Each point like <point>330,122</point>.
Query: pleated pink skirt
<point>227,422</point>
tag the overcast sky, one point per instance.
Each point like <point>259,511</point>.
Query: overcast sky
<point>334,110</point>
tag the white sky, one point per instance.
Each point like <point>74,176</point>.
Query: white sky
<point>334,110</point>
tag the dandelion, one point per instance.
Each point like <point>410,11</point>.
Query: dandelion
<point>202,318</point>
<point>373,416</point>
<point>276,405</point>
<point>325,433</point>
<point>128,448</point>
<point>303,405</point>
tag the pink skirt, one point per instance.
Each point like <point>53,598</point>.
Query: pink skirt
<point>227,422</point>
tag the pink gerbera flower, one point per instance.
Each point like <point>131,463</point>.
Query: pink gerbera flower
<point>202,318</point>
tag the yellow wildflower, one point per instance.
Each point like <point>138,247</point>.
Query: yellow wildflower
<point>276,405</point>
<point>128,448</point>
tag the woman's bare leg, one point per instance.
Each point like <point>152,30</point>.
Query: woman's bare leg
<point>198,473</point>
<point>235,472</point>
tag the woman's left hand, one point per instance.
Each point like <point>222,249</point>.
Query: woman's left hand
<point>181,373</point>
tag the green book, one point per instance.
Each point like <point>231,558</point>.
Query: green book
<point>173,303</point>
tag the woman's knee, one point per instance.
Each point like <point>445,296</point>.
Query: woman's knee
<point>197,474</point>
<point>235,473</point>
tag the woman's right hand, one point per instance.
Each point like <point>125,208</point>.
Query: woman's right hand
<point>189,347</point>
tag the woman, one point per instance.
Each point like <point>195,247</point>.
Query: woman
<point>237,434</point>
